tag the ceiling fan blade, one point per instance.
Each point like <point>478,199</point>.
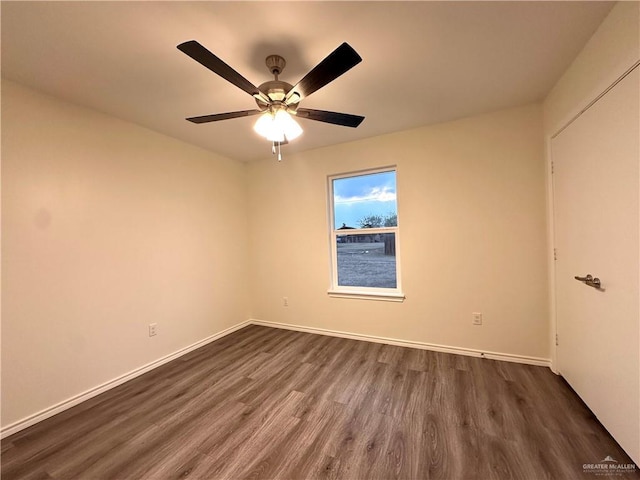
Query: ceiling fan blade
<point>338,62</point>
<point>344,119</point>
<point>223,116</point>
<point>213,63</point>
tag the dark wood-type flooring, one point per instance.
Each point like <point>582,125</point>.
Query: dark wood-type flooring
<point>266,403</point>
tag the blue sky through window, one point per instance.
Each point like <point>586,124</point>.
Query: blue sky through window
<point>356,197</point>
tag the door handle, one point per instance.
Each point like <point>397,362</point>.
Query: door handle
<point>589,280</point>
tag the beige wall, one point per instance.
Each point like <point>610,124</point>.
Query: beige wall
<point>108,227</point>
<point>612,49</point>
<point>471,203</point>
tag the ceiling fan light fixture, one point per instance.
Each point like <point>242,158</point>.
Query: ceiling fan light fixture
<point>284,122</point>
<point>264,125</point>
<point>277,126</point>
<point>277,99</point>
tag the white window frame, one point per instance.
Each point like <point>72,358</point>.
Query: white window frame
<point>365,293</point>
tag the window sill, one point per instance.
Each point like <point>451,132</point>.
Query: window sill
<point>385,297</point>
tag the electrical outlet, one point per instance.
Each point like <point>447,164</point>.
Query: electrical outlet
<point>285,302</point>
<point>477,318</point>
<point>153,329</point>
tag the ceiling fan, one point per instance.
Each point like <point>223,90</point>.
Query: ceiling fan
<point>278,100</point>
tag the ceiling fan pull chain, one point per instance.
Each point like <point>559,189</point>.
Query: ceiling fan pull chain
<point>273,150</point>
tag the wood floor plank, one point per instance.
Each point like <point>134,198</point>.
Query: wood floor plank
<point>264,403</point>
<point>268,433</point>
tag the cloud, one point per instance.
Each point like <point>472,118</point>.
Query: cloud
<point>375,194</point>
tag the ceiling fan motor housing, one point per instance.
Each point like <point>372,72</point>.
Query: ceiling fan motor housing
<point>276,89</point>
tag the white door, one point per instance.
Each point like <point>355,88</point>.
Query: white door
<point>596,182</point>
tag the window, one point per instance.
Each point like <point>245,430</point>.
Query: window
<point>364,235</point>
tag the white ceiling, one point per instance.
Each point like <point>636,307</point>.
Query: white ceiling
<point>423,62</point>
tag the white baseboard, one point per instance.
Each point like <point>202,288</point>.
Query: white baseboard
<point>507,357</point>
<point>75,400</point>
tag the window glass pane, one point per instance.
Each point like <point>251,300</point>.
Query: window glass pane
<point>365,201</point>
<point>367,260</point>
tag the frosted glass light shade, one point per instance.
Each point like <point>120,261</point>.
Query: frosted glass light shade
<point>275,127</point>
<point>285,123</point>
<point>265,127</point>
